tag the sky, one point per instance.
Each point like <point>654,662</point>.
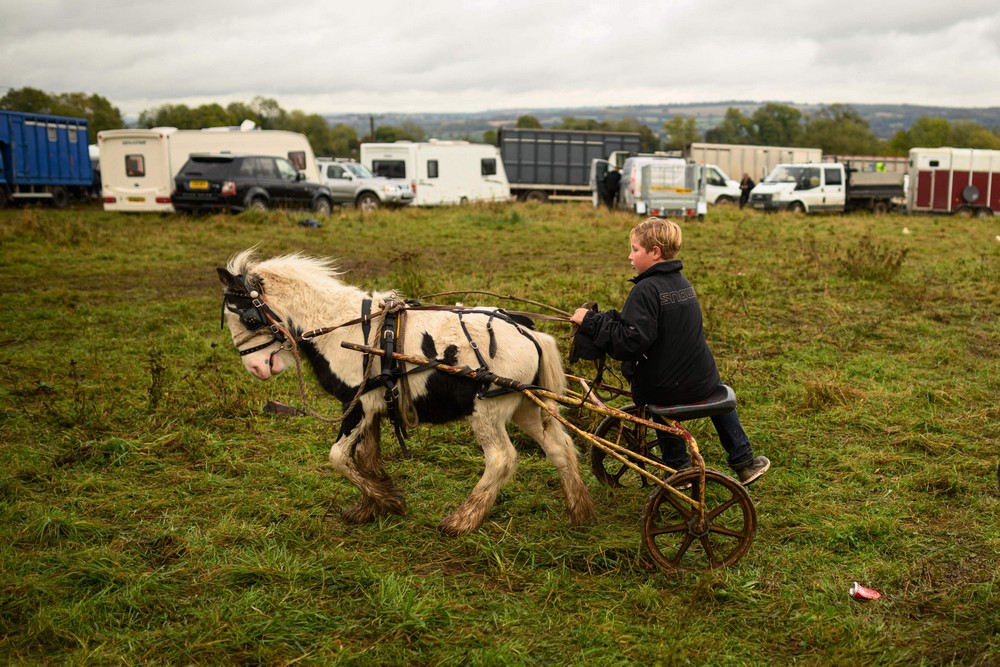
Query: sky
<point>438,56</point>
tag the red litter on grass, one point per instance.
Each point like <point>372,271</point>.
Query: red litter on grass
<point>859,592</point>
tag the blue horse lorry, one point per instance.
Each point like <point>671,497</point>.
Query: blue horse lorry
<point>44,157</point>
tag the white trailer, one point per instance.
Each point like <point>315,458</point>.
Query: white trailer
<point>441,172</point>
<point>138,166</point>
<point>758,161</point>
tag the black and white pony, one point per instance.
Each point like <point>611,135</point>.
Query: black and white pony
<point>301,294</point>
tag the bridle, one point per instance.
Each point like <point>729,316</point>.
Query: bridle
<point>248,304</point>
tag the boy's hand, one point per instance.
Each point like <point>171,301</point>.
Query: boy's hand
<point>578,316</point>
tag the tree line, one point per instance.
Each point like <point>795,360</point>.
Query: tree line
<point>837,129</point>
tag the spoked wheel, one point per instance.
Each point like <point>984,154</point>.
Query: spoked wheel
<point>671,532</point>
<point>637,438</point>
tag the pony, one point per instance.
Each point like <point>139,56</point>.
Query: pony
<point>286,296</point>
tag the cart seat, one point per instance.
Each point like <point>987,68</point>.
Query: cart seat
<point>722,400</point>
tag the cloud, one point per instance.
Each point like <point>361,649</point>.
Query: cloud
<point>443,55</point>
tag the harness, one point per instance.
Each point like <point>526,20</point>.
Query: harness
<point>483,373</point>
<point>390,376</point>
<point>254,314</point>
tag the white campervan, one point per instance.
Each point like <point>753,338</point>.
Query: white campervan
<point>441,172</point>
<point>138,166</point>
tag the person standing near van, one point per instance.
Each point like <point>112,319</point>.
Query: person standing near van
<point>746,185</point>
<point>611,182</point>
<point>660,340</point>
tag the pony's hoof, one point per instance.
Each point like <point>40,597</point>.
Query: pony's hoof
<point>362,512</point>
<point>583,513</point>
<point>456,528</point>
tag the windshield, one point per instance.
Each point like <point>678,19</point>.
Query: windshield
<point>784,174</point>
<point>803,177</point>
<point>359,170</point>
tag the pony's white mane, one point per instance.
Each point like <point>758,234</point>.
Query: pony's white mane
<point>293,267</point>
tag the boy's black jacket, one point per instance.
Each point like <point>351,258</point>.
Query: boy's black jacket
<point>659,337</point>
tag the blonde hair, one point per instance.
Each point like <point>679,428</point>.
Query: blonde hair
<point>659,233</point>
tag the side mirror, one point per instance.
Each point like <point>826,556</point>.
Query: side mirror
<point>299,176</point>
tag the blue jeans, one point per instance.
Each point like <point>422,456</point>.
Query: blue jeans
<point>734,440</point>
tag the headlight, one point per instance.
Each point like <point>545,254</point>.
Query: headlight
<point>390,188</point>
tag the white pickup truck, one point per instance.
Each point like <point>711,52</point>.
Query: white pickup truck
<point>827,186</point>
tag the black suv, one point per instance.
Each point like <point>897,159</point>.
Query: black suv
<point>240,182</point>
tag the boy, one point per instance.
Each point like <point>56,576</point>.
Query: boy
<point>659,339</point>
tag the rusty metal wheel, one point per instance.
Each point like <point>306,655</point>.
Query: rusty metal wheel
<point>636,437</point>
<point>671,532</point>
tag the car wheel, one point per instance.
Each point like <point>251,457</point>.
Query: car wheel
<point>725,201</point>
<point>880,208</point>
<point>367,202</point>
<point>984,212</point>
<point>796,207</point>
<point>60,198</point>
<point>536,196</point>
<point>322,206</point>
<point>464,201</point>
<point>258,204</point>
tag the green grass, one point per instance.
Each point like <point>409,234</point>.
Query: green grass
<point>151,513</point>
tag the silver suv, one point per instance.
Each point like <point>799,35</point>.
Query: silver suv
<point>353,184</point>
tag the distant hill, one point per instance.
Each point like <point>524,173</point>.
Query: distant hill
<point>884,119</point>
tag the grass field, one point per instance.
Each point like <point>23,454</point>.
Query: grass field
<point>151,513</point>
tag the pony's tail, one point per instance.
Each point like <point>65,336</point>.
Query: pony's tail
<point>551,375</point>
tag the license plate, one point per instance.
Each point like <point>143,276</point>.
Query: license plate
<point>198,185</point>
<point>137,200</point>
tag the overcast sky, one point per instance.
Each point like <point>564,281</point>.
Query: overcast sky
<point>378,56</point>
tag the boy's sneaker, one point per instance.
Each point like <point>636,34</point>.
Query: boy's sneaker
<point>749,473</point>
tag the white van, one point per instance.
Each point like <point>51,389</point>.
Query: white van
<point>719,188</point>
<point>138,166</point>
<point>441,172</point>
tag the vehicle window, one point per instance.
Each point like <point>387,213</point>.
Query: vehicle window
<point>286,169</point>
<point>135,166</point>
<point>713,177</point>
<point>488,166</point>
<point>812,177</point>
<point>248,168</point>
<point>208,168</point>
<point>784,174</point>
<point>389,168</point>
<point>265,168</point>
<point>360,170</point>
<point>432,169</point>
<point>297,158</point>
<point>832,177</point>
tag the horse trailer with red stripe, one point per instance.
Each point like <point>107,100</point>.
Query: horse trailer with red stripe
<point>962,181</point>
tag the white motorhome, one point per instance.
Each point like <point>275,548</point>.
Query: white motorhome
<point>441,172</point>
<point>138,166</point>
